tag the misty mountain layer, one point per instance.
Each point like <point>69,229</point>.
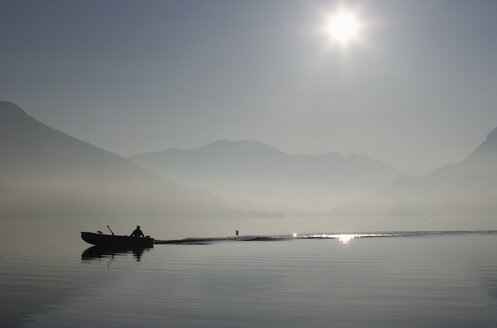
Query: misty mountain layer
<point>268,179</point>
<point>467,187</point>
<point>44,172</point>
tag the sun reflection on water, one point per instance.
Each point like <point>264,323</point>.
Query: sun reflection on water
<point>345,239</point>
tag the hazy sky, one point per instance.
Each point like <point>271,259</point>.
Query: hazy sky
<point>418,88</point>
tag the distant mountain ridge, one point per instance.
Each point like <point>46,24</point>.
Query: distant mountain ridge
<point>45,172</point>
<point>466,187</point>
<point>489,146</point>
<point>268,178</point>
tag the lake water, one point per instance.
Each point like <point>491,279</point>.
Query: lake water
<point>335,279</point>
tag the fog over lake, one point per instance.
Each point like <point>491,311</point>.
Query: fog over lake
<point>248,163</point>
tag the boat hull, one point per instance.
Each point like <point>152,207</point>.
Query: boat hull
<point>116,241</point>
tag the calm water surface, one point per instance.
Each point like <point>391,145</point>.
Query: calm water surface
<point>420,280</point>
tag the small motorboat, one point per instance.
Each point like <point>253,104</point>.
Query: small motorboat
<point>100,239</point>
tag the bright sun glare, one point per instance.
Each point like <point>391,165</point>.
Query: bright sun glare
<point>343,27</point>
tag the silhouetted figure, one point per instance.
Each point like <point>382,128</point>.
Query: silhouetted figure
<point>137,232</point>
<point>236,232</point>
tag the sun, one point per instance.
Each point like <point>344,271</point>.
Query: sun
<point>343,27</point>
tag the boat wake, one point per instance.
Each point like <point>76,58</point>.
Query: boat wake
<point>342,237</point>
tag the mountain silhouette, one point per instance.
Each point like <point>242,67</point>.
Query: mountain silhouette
<point>45,172</point>
<point>466,187</point>
<point>269,179</point>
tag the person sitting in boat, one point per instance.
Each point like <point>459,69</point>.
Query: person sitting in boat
<point>137,232</point>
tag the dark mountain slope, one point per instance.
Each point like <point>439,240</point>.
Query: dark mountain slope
<point>467,187</point>
<point>44,172</point>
